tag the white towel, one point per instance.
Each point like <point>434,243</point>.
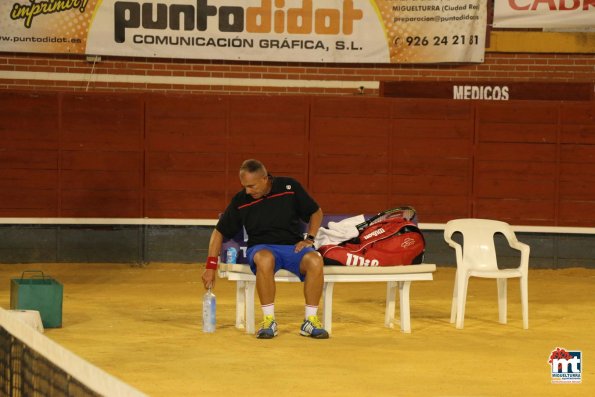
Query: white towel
<point>338,232</point>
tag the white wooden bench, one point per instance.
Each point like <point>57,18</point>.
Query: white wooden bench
<point>396,277</point>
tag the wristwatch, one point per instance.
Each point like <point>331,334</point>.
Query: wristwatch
<point>309,237</point>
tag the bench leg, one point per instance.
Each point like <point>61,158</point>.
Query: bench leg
<point>391,294</point>
<point>404,287</point>
<point>327,306</point>
<point>240,304</point>
<point>250,287</point>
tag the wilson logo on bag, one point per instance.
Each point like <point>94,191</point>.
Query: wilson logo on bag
<point>393,241</point>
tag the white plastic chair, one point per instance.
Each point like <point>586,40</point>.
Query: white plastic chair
<point>477,258</point>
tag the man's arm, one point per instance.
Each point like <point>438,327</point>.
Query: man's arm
<point>313,226</point>
<point>209,275</point>
<point>315,222</point>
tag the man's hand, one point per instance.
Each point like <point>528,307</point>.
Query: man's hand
<point>303,244</point>
<point>208,278</point>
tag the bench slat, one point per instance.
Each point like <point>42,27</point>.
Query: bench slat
<point>342,270</point>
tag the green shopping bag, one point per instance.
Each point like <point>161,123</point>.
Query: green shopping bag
<point>38,292</point>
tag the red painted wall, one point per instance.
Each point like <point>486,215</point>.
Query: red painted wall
<point>155,155</point>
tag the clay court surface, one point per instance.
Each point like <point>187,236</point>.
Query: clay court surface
<point>143,325</point>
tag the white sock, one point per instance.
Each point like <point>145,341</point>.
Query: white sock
<point>268,310</point>
<point>311,311</point>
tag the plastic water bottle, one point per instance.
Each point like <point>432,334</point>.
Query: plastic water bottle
<point>231,255</point>
<point>209,309</point>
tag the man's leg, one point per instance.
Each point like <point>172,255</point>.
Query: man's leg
<point>312,267</point>
<point>264,261</point>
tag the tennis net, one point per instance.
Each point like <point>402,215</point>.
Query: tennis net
<point>33,365</point>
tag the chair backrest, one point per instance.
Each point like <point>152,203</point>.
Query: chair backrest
<point>478,251</point>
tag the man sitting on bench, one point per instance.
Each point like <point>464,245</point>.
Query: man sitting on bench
<point>270,209</point>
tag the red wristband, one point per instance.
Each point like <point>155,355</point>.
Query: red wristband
<point>212,262</point>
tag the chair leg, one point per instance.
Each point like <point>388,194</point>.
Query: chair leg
<point>327,306</point>
<point>391,295</point>
<point>462,281</point>
<point>502,300</point>
<point>525,301</point>
<point>453,308</point>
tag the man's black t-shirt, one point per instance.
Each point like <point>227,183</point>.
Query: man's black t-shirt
<point>272,219</point>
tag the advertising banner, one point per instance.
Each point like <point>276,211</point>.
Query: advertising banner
<point>550,14</point>
<point>341,31</point>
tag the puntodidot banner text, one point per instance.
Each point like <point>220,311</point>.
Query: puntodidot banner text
<point>340,31</point>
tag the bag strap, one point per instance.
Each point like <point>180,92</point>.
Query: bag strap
<point>404,227</point>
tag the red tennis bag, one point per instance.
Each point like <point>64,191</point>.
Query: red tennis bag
<point>391,242</point>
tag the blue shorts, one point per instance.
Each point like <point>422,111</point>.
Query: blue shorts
<point>285,257</point>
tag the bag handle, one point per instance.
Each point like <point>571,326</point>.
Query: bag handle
<point>406,212</point>
<point>32,271</point>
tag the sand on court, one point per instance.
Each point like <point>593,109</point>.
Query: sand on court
<point>143,325</point>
